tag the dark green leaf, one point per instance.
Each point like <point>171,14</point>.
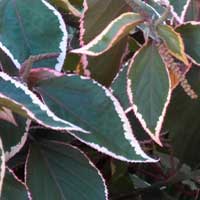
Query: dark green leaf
<point>31,28</point>
<point>104,68</point>
<point>20,99</point>
<point>7,65</point>
<point>179,8</point>
<point>93,107</point>
<point>112,34</point>
<point>190,33</point>
<point>57,171</point>
<point>149,89</point>
<point>97,15</point>
<point>119,88</point>
<point>120,181</point>
<point>182,122</point>
<point>13,188</point>
<point>13,132</point>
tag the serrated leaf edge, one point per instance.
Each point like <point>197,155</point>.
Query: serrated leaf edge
<point>62,46</point>
<point>154,136</point>
<point>85,49</point>
<point>183,56</point>
<point>98,171</point>
<point>9,54</point>
<point>76,148</point>
<point>63,43</point>
<point>36,101</point>
<point>2,167</point>
<point>128,133</point>
<point>15,149</point>
<point>193,23</point>
<point>180,18</point>
<point>18,180</point>
<point>92,164</point>
<point>115,79</point>
<point>117,75</point>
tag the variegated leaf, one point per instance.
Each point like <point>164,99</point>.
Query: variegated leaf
<point>119,87</point>
<point>102,68</point>
<point>31,28</point>
<point>182,121</point>
<point>13,141</point>
<point>149,89</point>
<point>86,103</point>
<point>13,188</point>
<point>115,31</point>
<point>178,8</point>
<point>2,166</point>
<point>57,171</point>
<point>190,32</point>
<point>173,41</point>
<point>20,99</point>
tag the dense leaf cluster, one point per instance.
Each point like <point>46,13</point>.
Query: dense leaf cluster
<point>99,99</point>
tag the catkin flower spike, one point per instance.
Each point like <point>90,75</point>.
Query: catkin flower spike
<point>174,66</point>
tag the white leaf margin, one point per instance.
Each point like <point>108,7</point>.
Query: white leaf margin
<point>86,49</point>
<point>62,45</point>
<point>2,167</point>
<point>114,81</point>
<point>192,23</point>
<point>98,171</point>
<point>84,155</point>
<point>180,18</point>
<point>128,133</point>
<point>156,135</point>
<point>35,100</point>
<point>15,149</point>
<point>19,181</point>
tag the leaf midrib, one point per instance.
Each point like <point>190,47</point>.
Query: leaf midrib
<point>19,20</point>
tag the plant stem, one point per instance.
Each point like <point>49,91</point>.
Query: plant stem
<point>163,17</point>
<point>27,64</point>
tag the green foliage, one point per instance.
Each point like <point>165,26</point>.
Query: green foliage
<point>56,171</point>
<point>13,188</point>
<point>148,76</point>
<point>78,85</point>
<point>24,37</point>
